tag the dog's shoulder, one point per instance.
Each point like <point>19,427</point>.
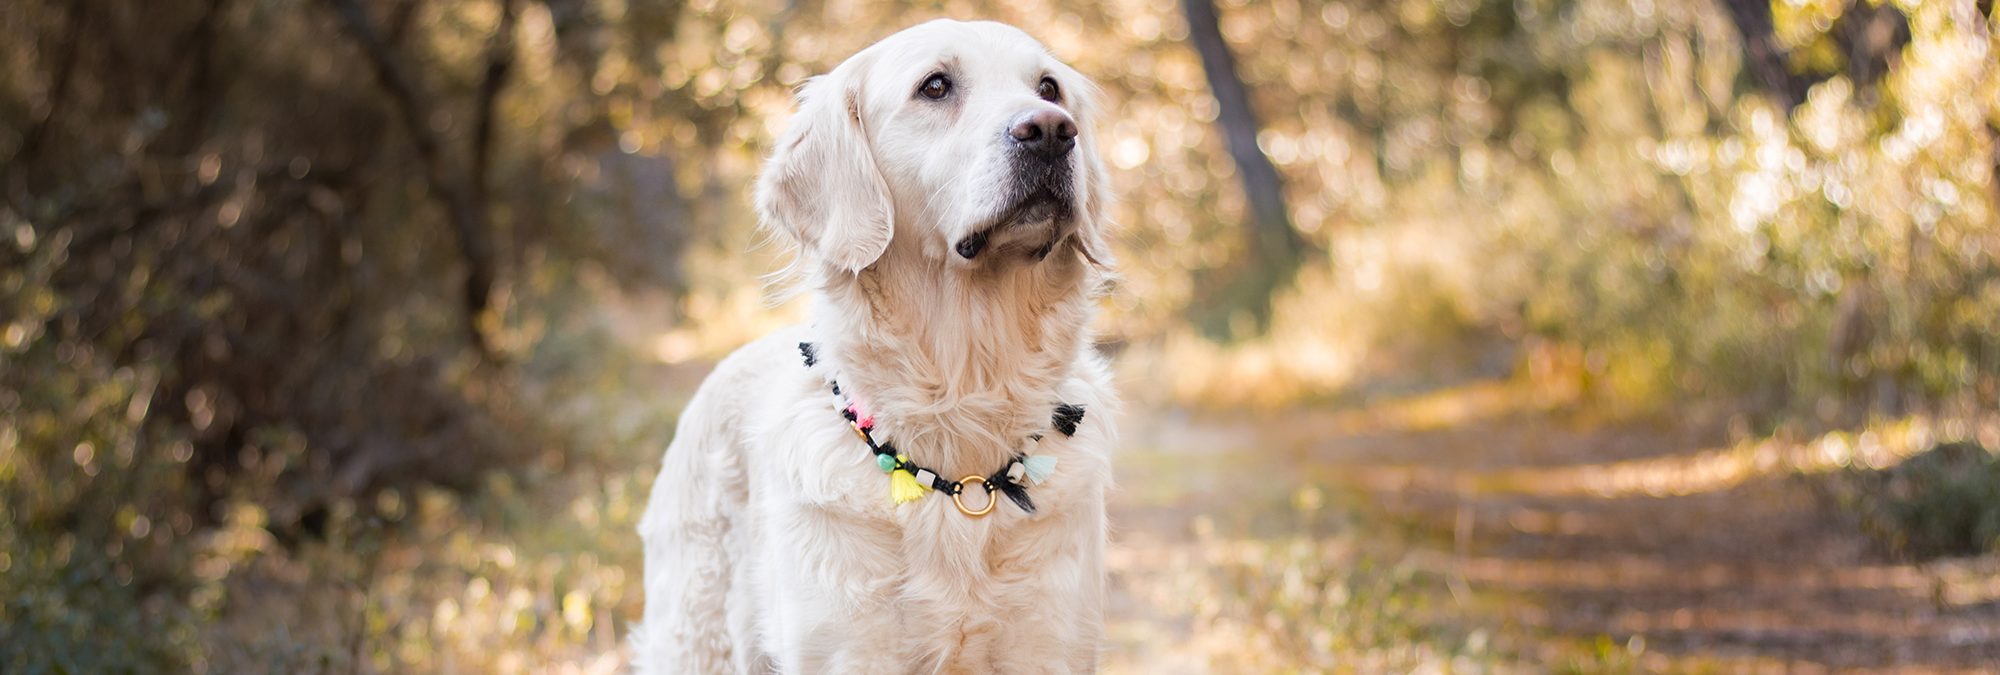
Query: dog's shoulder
<point>757,369</point>
<point>755,382</point>
<point>775,352</point>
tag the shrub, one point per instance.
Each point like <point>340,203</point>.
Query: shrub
<point>1944,502</point>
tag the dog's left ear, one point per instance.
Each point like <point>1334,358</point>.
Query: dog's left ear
<point>1090,238</point>
<point>821,187</point>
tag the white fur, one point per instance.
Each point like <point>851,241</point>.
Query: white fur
<point>771,542</point>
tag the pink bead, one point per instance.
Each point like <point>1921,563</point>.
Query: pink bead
<point>863,420</point>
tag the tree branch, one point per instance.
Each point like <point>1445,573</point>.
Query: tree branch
<point>499,62</point>
<point>1873,38</point>
<point>11,180</point>
<point>463,201</point>
<point>1765,58</point>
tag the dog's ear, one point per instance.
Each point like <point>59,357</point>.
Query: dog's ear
<point>821,187</point>
<point>1094,225</point>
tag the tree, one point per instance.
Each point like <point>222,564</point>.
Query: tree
<point>461,191</point>
<point>1275,247</point>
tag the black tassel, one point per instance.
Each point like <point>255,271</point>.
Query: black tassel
<point>806,350</point>
<point>1067,417</point>
<point>1015,492</point>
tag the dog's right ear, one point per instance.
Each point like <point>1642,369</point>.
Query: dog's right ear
<point>821,187</point>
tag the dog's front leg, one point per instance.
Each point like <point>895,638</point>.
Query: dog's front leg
<point>832,589</point>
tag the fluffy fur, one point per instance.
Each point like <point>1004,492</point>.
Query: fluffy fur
<point>771,542</point>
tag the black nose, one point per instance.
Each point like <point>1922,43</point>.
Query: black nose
<point>1047,133</point>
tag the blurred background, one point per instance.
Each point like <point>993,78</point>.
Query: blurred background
<point>1518,336</point>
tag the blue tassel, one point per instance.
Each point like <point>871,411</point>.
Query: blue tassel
<point>1039,467</point>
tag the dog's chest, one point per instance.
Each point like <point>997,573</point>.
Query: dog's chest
<point>964,580</point>
<point>936,537</point>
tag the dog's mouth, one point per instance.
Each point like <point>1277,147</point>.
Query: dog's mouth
<point>1041,210</point>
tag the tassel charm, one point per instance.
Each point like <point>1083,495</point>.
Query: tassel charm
<point>1039,467</point>
<point>1066,417</point>
<point>1015,492</point>
<point>903,487</point>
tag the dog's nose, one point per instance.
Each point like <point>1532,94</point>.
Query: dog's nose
<point>1048,133</point>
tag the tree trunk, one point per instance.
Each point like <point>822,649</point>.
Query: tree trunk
<point>1274,245</point>
<point>1870,37</point>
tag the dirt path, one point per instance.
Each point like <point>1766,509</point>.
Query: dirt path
<point>1567,545</point>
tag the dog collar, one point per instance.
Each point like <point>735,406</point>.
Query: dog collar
<point>909,482</point>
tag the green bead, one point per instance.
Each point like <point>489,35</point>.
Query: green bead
<point>886,461</point>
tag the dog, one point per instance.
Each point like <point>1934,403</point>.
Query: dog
<point>913,480</point>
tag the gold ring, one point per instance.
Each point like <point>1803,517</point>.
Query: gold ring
<point>958,497</point>
<point>858,433</point>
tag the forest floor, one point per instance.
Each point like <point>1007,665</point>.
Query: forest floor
<point>1531,538</point>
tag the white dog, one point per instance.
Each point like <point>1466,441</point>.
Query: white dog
<point>913,481</point>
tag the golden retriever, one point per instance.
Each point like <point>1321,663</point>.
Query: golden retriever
<point>913,481</point>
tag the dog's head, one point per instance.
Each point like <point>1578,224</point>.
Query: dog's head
<point>964,141</point>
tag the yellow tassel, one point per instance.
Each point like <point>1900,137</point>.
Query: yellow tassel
<point>903,487</point>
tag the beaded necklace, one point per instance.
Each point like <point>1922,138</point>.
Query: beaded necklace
<point>909,482</point>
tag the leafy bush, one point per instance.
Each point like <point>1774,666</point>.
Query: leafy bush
<point>68,611</point>
<point>1944,502</point>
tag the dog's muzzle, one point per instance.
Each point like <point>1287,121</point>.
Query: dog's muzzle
<point>1041,145</point>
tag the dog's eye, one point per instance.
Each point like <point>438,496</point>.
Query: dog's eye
<point>1049,91</point>
<point>935,87</point>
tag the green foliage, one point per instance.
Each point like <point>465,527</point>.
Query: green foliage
<point>92,505</point>
<point>1703,242</point>
<point>68,611</point>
